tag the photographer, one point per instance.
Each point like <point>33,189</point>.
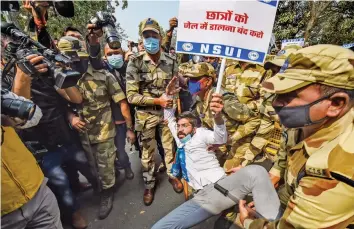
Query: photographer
<point>27,202</point>
<point>52,132</point>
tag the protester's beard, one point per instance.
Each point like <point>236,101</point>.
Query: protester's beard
<point>181,134</point>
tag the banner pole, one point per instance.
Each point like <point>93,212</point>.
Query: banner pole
<point>221,73</point>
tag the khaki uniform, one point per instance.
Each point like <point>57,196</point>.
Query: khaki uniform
<point>319,171</point>
<point>98,88</point>
<point>247,92</point>
<point>145,82</point>
<point>232,72</point>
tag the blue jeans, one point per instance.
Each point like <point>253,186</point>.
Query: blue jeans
<point>209,201</point>
<point>57,178</point>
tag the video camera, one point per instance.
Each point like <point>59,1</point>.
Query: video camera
<point>106,22</point>
<point>16,108</point>
<point>23,46</point>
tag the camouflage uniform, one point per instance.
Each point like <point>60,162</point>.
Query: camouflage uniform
<point>98,88</point>
<point>231,73</point>
<point>319,171</point>
<point>268,136</point>
<point>238,120</point>
<point>145,82</point>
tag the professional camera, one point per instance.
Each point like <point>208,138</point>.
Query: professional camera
<point>106,22</point>
<point>16,108</point>
<point>23,46</point>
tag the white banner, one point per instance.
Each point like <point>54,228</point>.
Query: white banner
<point>297,41</point>
<point>231,29</point>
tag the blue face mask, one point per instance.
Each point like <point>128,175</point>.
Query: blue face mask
<point>116,61</point>
<point>151,45</point>
<point>186,139</point>
<point>194,87</point>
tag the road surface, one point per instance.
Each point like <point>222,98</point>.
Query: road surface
<point>129,211</point>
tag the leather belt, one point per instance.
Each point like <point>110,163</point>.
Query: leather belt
<point>154,108</point>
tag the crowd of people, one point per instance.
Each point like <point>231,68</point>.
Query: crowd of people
<point>279,135</point>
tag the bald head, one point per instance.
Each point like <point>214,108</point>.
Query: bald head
<point>108,51</point>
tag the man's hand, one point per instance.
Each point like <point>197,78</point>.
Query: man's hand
<point>172,88</point>
<point>244,213</point>
<point>77,123</point>
<point>216,105</point>
<point>36,61</point>
<point>164,102</point>
<point>173,23</point>
<point>93,34</point>
<point>131,136</point>
<point>234,170</point>
<point>128,54</point>
<point>274,179</point>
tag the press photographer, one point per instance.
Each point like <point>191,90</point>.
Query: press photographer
<point>27,202</point>
<point>37,77</point>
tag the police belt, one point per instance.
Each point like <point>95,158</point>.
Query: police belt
<point>147,108</point>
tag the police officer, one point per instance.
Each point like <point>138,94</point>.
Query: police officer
<point>147,77</point>
<point>98,88</point>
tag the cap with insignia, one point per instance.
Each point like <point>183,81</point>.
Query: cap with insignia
<point>150,24</point>
<point>72,47</point>
<point>324,64</point>
<point>199,70</point>
<point>279,59</point>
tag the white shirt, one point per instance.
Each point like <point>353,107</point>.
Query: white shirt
<point>203,168</point>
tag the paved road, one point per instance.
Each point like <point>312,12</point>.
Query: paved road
<point>129,212</point>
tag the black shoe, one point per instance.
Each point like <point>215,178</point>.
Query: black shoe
<point>129,173</point>
<point>106,204</point>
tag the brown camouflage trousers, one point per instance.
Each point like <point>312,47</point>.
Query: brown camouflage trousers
<point>105,154</point>
<point>146,123</point>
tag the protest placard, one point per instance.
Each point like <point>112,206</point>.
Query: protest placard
<point>231,29</point>
<point>297,41</point>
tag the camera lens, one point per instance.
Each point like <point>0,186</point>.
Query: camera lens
<point>111,36</point>
<point>18,108</point>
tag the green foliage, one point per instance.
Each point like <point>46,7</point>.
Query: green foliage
<point>325,22</point>
<point>84,10</point>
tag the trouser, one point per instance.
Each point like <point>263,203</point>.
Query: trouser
<point>209,201</point>
<point>147,123</point>
<point>119,141</point>
<point>105,154</point>
<point>58,179</point>
<point>40,212</point>
<point>160,149</point>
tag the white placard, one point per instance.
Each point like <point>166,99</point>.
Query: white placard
<point>230,29</point>
<point>297,41</point>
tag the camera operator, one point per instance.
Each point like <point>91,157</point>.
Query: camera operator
<point>27,202</point>
<point>52,132</point>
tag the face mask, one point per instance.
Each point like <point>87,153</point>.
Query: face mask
<point>152,45</point>
<point>297,117</point>
<point>116,61</point>
<point>194,87</point>
<point>186,139</point>
<point>80,66</point>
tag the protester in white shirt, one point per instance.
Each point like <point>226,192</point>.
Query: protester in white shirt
<point>198,166</point>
